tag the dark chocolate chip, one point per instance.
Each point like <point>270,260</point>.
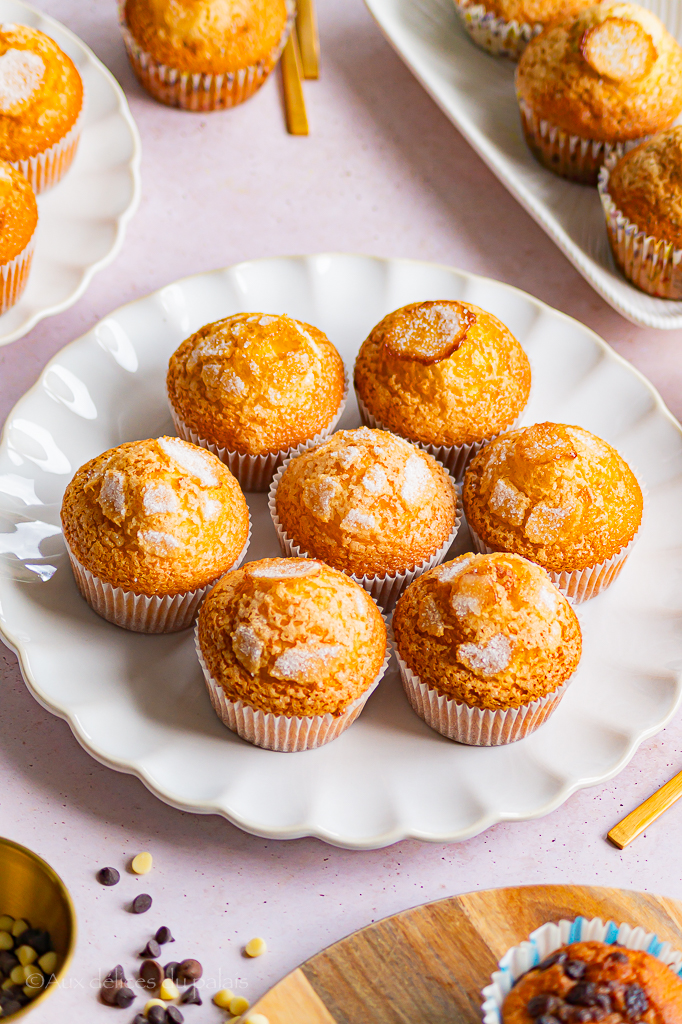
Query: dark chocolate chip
<point>125,997</point>
<point>37,939</point>
<point>189,971</point>
<point>141,903</point>
<point>582,994</point>
<point>8,961</point>
<point>173,1015</point>
<point>543,1004</point>
<point>586,1015</point>
<point>171,970</point>
<point>559,957</point>
<point>163,935</point>
<point>191,996</point>
<point>108,876</point>
<point>139,1019</point>
<point>152,950</point>
<point>575,969</point>
<point>116,974</point>
<point>11,1006</point>
<point>110,989</point>
<point>618,957</point>
<point>151,973</point>
<point>636,1002</point>
<point>157,1015</point>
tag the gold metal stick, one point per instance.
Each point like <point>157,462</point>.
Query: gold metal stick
<point>297,119</point>
<point>622,834</point>
<point>308,38</point>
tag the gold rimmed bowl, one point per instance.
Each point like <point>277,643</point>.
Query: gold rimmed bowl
<point>30,889</point>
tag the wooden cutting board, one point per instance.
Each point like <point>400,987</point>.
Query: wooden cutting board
<point>428,965</point>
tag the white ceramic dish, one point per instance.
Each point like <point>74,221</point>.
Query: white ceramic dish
<point>83,219</point>
<point>476,91</point>
<point>138,703</point>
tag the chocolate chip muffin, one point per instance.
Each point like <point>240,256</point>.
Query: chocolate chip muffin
<point>505,27</point>
<point>593,981</point>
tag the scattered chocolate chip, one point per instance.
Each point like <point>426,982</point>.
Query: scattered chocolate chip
<point>163,935</point>
<point>191,996</point>
<point>582,994</point>
<point>543,1004</point>
<point>575,969</point>
<point>152,950</point>
<point>171,970</point>
<point>108,876</point>
<point>189,971</point>
<point>636,1002</point>
<point>173,1015</point>
<point>37,939</point>
<point>141,903</point>
<point>559,957</point>
<point>140,1019</point>
<point>151,973</point>
<point>157,1015</point>
<point>8,961</point>
<point>125,997</point>
<point>116,974</point>
<point>618,957</point>
<point>110,989</point>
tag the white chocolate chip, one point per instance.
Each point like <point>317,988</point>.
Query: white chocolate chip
<point>238,1005</point>
<point>169,990</point>
<point>255,947</point>
<point>223,998</point>
<point>142,863</point>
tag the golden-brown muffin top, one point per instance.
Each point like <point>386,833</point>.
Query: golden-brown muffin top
<point>292,636</point>
<point>156,517</point>
<point>256,383</point>
<point>18,212</point>
<point>554,493</point>
<point>490,631</point>
<point>367,502</point>
<point>626,985</point>
<point>611,73</point>
<point>535,12</point>
<point>213,36</point>
<point>41,93</point>
<point>646,185</point>
<point>443,373</point>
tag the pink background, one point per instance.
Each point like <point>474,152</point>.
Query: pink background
<point>383,172</point>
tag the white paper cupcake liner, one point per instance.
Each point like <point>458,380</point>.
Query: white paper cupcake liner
<point>651,263</point>
<point>385,588</point>
<point>200,91</point>
<point>14,275</point>
<point>550,937</point>
<point>455,458</point>
<point>570,156</point>
<point>138,612</point>
<point>497,36</point>
<point>255,472</point>
<point>47,168</point>
<point>280,732</point>
<point>477,727</point>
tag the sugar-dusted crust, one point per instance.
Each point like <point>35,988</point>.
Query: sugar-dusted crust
<point>256,383</point>
<point>367,502</point>
<point>596,981</point>
<point>490,631</point>
<point>535,12</point>
<point>554,493</point>
<point>558,84</point>
<point>292,636</point>
<point>18,212</point>
<point>156,517</point>
<point>443,373</point>
<point>646,185</point>
<point>41,111</point>
<point>210,36</point>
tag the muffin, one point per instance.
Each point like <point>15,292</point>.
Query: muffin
<point>204,54</point>
<point>291,650</point>
<point>505,27</point>
<point>254,388</point>
<point>486,645</point>
<point>149,527</point>
<point>368,503</point>
<point>595,981</point>
<point>641,194</point>
<point>18,222</point>
<point>597,84</point>
<point>41,102</point>
<point>446,375</point>
<point>559,496</point>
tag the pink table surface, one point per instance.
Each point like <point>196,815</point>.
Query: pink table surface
<point>383,172</point>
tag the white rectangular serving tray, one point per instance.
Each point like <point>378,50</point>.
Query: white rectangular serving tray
<point>476,92</point>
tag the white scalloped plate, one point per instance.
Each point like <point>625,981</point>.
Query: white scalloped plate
<point>476,92</point>
<point>138,703</point>
<point>82,219</point>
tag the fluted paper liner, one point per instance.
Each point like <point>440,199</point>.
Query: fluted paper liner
<point>651,263</point>
<point>200,91</point>
<point>139,612</point>
<point>477,727</point>
<point>47,168</point>
<point>14,275</point>
<point>456,457</point>
<point>497,36</point>
<point>570,156</point>
<point>385,588</point>
<point>281,732</point>
<point>549,937</point>
<point>255,472</point>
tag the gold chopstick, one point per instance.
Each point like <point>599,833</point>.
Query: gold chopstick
<point>294,102</point>
<point>308,38</point>
<point>622,834</point>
